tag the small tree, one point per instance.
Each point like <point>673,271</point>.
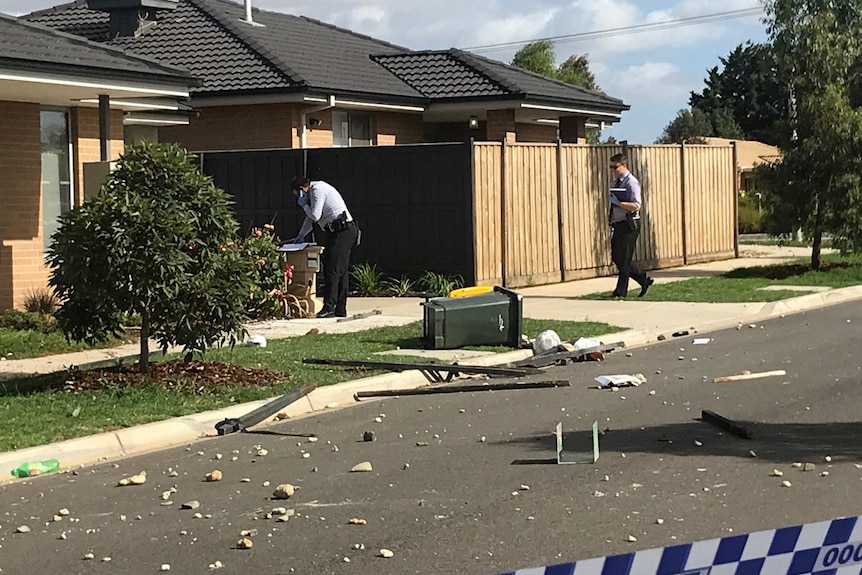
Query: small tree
<point>159,240</point>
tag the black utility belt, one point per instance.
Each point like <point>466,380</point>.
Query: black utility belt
<point>338,226</point>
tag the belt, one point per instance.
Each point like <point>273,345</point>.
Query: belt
<point>330,227</point>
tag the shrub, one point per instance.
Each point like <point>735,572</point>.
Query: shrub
<point>28,321</point>
<point>41,301</point>
<point>158,240</point>
<point>440,284</point>
<point>260,249</point>
<point>368,280</point>
<point>750,216</point>
<point>399,287</point>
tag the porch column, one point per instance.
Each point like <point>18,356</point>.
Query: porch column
<point>501,126</point>
<point>573,130</point>
<point>104,127</point>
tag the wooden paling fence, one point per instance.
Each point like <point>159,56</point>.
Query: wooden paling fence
<point>540,210</point>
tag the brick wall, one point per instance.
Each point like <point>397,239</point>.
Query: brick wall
<point>252,127</point>
<point>319,136</point>
<point>393,128</point>
<point>21,263</point>
<point>501,126</point>
<point>537,133</point>
<point>85,141</point>
<point>573,130</point>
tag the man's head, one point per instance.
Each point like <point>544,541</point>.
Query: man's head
<point>299,183</point>
<point>619,164</point>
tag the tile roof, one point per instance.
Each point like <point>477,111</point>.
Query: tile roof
<point>228,55</point>
<point>24,45</point>
<point>295,53</point>
<point>457,75</point>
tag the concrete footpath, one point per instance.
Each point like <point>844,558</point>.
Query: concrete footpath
<point>644,322</point>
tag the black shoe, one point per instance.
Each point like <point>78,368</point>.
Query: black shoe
<point>325,314</point>
<point>645,286</point>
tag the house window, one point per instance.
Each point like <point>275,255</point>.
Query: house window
<point>56,170</point>
<point>351,129</point>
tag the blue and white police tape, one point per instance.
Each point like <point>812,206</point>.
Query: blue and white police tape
<point>826,548</point>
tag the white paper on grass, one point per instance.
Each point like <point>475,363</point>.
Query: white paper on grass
<point>618,380</point>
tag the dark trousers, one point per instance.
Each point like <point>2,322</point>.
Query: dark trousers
<point>336,268</point>
<point>622,251</point>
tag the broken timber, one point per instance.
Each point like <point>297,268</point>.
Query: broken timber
<point>433,371</point>
<point>460,389</point>
<point>360,315</point>
<point>745,376</point>
<point>233,425</point>
<point>725,424</point>
<point>555,357</point>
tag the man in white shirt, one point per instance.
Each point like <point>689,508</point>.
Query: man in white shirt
<point>323,205</point>
<point>625,220</point>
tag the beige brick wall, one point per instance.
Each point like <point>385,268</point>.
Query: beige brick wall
<point>394,128</point>
<point>85,141</point>
<point>21,263</point>
<point>319,136</point>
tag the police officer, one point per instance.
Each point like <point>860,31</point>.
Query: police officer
<point>324,206</point>
<point>625,197</point>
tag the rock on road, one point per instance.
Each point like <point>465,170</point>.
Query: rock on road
<point>464,484</point>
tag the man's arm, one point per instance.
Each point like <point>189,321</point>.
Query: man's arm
<point>314,208</point>
<point>635,197</point>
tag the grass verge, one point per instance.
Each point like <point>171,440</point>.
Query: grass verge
<point>36,411</point>
<point>24,344</point>
<point>746,284</point>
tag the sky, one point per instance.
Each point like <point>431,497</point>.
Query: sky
<point>653,72</point>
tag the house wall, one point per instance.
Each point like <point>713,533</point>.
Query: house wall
<point>393,128</point>
<point>536,133</point>
<point>252,127</point>
<point>22,261</point>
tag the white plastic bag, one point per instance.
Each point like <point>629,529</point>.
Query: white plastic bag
<point>546,341</point>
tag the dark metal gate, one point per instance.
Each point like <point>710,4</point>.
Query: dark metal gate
<point>414,203</point>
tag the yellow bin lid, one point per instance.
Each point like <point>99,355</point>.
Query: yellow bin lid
<point>468,291</point>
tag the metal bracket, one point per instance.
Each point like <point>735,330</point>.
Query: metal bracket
<point>564,458</point>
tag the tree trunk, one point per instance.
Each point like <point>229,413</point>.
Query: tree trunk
<point>815,249</point>
<point>144,359</point>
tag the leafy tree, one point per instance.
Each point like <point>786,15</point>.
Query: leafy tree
<point>817,46</point>
<point>576,71</point>
<point>159,240</point>
<point>689,127</point>
<point>539,57</point>
<point>751,90</point>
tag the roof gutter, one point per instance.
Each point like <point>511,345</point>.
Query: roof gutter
<point>571,110</point>
<point>303,118</point>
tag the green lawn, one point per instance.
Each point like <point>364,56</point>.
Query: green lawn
<point>744,284</point>
<point>23,344</point>
<point>31,414</point>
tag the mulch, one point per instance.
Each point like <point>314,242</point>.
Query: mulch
<point>196,377</point>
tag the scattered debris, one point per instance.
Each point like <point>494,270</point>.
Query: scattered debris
<point>357,521</point>
<point>284,491</point>
<point>752,453</point>
<point>194,504</point>
<point>214,475</point>
<point>659,521</point>
<point>606,381</point>
<point>702,341</point>
<point>808,467</point>
<point>386,554</point>
<point>234,425</point>
<point>797,465</point>
<point>828,459</point>
<point>728,425</point>
<point>777,473</point>
<point>365,466</point>
<point>680,333</point>
<point>631,539</point>
<point>245,543</point>
<point>138,479</point>
<point>256,341</point>
<point>460,389</point>
<point>360,315</point>
<point>165,567</point>
<point>432,370</point>
<point>824,474</point>
<point>22,529</point>
<point>786,484</point>
<point>546,341</point>
<point>746,376</point>
<point>564,458</point>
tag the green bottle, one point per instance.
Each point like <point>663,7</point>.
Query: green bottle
<point>34,468</point>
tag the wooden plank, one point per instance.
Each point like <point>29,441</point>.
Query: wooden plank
<point>747,376</point>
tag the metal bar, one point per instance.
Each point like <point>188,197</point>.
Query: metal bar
<point>461,389</point>
<point>437,367</point>
<point>233,425</point>
<point>736,173</point>
<point>546,359</point>
<point>725,424</point>
<point>104,127</point>
<point>360,315</point>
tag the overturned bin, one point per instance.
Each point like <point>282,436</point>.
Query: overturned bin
<point>493,318</point>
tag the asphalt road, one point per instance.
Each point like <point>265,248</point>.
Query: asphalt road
<point>459,506</point>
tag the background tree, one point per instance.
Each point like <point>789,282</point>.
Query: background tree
<point>159,240</point>
<point>689,127</point>
<point>749,90</point>
<point>540,57</point>
<point>817,47</point>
